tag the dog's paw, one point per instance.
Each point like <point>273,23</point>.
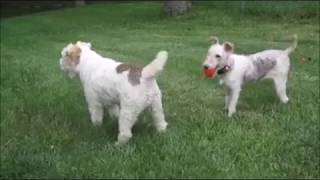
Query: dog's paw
<point>117,143</point>
<point>97,123</point>
<point>123,139</point>
<point>162,127</point>
<point>231,112</point>
<point>285,100</point>
<point>162,130</point>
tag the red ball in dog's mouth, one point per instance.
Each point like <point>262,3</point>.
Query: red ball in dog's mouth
<point>210,72</point>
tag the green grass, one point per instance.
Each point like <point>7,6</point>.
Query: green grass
<point>45,126</point>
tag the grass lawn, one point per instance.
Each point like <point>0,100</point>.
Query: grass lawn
<point>45,126</point>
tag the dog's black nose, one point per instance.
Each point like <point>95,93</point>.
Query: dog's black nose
<point>206,66</point>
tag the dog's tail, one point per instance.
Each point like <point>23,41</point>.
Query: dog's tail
<point>156,66</point>
<point>294,44</point>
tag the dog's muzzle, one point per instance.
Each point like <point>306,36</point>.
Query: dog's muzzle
<point>205,66</point>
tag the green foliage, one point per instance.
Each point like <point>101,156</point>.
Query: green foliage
<point>274,9</point>
<point>45,127</point>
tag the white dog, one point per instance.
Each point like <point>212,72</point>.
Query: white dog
<point>125,90</point>
<point>238,69</point>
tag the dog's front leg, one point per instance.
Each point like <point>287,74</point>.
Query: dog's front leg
<point>227,92</point>
<point>234,96</point>
<point>94,106</point>
<point>96,113</point>
<point>114,111</point>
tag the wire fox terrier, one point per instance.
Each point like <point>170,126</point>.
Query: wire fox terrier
<point>124,90</point>
<point>235,69</point>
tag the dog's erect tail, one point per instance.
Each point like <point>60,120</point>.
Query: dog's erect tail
<point>294,44</point>
<point>156,66</point>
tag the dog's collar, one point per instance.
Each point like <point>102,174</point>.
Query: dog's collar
<point>224,69</point>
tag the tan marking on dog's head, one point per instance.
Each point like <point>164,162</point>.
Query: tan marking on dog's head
<point>73,55</point>
<point>134,72</point>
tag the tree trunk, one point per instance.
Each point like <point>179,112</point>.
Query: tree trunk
<point>80,2</point>
<point>174,8</point>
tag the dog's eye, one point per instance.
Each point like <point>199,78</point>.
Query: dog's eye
<point>218,56</point>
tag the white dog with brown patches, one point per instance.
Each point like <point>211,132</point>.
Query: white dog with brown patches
<point>238,69</point>
<point>125,90</point>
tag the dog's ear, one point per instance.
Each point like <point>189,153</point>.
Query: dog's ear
<point>78,43</point>
<point>73,54</point>
<point>228,47</point>
<point>65,50</point>
<point>214,40</point>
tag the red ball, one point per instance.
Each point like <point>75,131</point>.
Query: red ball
<point>210,72</point>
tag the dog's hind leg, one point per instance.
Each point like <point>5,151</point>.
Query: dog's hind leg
<point>158,115</point>
<point>127,119</point>
<point>281,86</point>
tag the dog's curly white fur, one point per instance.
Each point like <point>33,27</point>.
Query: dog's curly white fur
<point>271,64</point>
<point>105,87</point>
